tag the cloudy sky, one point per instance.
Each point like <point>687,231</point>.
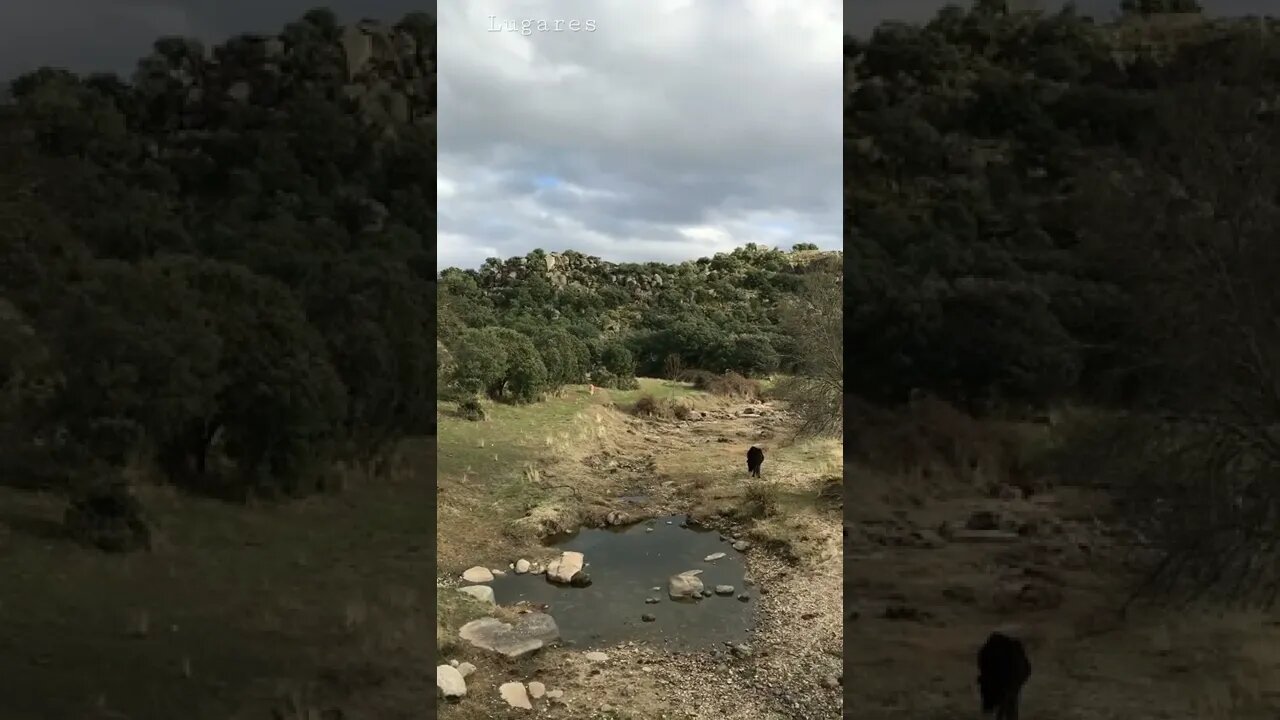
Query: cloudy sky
<point>110,35</point>
<point>675,130</point>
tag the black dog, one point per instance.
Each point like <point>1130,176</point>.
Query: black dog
<point>755,458</point>
<point>1003,668</point>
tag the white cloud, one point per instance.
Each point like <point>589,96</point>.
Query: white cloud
<point>670,115</point>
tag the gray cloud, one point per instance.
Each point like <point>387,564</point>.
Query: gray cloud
<point>676,129</point>
<point>111,35</point>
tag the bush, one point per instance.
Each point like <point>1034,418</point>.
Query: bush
<point>649,406</point>
<point>471,409</point>
<point>109,518</point>
<point>730,384</point>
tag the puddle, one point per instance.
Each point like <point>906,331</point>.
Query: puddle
<point>625,565</point>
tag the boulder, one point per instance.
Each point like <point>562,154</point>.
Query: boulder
<point>478,574</point>
<point>685,585</point>
<point>450,682</point>
<point>522,566</point>
<point>530,632</point>
<point>563,568</point>
<point>483,593</point>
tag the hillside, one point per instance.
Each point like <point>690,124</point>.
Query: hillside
<point>714,314</point>
<point>1061,311</point>
<point>216,283</point>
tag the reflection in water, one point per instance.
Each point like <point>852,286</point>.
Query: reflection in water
<point>625,565</point>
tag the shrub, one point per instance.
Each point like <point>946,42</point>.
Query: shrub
<point>471,409</point>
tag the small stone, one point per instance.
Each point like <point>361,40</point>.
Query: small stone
<point>537,689</point>
<point>477,574</point>
<point>465,669</point>
<point>450,682</point>
<point>522,566</point>
<point>724,589</point>
<point>555,694</point>
<point>655,588</point>
<point>596,656</point>
<point>515,695</point>
<point>830,681</point>
<point>743,597</point>
<point>453,663</point>
<point>713,556</point>
<point>498,573</point>
<point>741,546</point>
<point>647,618</point>
<point>580,580</point>
<point>483,593</point>
<point>606,708</point>
<point>706,593</point>
<point>648,529</point>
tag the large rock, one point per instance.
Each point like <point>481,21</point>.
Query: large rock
<point>531,632</point>
<point>483,593</point>
<point>515,695</point>
<point>450,682</point>
<point>685,585</point>
<point>478,574</point>
<point>563,568</point>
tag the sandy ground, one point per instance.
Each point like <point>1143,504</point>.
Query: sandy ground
<point>921,604</point>
<point>695,465</point>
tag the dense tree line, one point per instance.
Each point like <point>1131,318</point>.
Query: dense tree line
<point>1042,209</point>
<point>222,267</point>
<point>517,328</point>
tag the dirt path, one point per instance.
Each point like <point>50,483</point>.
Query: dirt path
<point>793,663</point>
<point>923,602</point>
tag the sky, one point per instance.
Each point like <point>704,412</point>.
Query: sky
<point>674,130</point>
<point>111,35</point>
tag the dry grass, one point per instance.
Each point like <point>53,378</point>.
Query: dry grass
<point>1088,663</point>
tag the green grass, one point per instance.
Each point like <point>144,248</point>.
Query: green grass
<point>250,599</point>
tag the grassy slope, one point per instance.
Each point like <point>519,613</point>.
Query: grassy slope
<point>235,609</point>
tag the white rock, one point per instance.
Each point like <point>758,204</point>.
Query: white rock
<point>596,656</point>
<point>498,573</point>
<point>522,566</point>
<point>563,568</point>
<point>515,695</point>
<point>713,556</point>
<point>537,689</point>
<point>465,669</point>
<point>477,574</point>
<point>453,663</point>
<point>483,593</point>
<point>450,682</point>
<point>685,585</point>
<point>554,694</point>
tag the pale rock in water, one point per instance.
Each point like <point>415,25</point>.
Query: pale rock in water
<point>450,682</point>
<point>685,585</point>
<point>563,568</point>
<point>515,695</point>
<point>477,574</point>
<point>713,556</point>
<point>522,566</point>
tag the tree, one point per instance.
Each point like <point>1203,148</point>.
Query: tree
<point>480,361</point>
<point>815,321</point>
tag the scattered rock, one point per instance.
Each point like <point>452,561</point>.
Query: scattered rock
<point>743,597</point>
<point>563,568</point>
<point>646,617</point>
<point>596,656</point>
<point>742,546</point>
<point>651,601</point>
<point>713,556</point>
<point>537,689</point>
<point>465,669</point>
<point>515,695</point>
<point>580,580</point>
<point>450,682</point>
<point>724,589</point>
<point>531,632</point>
<point>555,694</point>
<point>477,574</point>
<point>522,566</point>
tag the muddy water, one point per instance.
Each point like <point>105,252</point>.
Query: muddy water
<point>625,565</point>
